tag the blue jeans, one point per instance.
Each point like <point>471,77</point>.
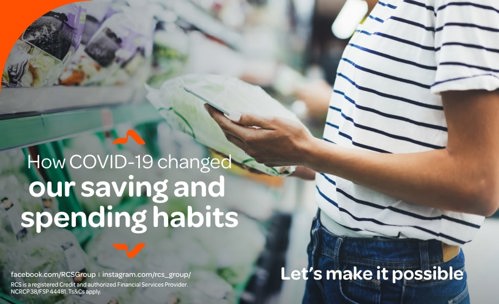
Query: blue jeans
<point>327,251</point>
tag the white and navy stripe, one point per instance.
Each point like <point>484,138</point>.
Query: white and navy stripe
<point>385,99</point>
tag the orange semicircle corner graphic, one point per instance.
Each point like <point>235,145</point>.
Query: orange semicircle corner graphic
<point>17,16</point>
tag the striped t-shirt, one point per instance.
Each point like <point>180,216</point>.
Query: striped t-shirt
<point>386,99</point>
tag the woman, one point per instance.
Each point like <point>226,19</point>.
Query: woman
<point>409,163</point>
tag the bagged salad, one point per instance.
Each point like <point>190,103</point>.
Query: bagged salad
<point>116,52</point>
<point>181,102</point>
<point>53,250</point>
<point>170,53</point>
<point>44,49</point>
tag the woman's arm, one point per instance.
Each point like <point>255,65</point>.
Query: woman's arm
<point>462,177</point>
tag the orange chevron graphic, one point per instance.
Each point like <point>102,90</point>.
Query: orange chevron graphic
<point>130,133</point>
<point>130,253</point>
<point>16,17</point>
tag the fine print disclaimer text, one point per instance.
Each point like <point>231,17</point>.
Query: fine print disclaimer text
<point>93,283</point>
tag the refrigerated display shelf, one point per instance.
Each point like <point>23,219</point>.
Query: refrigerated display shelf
<point>5,299</point>
<point>39,128</point>
<point>25,101</point>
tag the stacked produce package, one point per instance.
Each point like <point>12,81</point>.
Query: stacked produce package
<point>45,48</point>
<point>181,101</point>
<point>116,53</point>
<point>98,43</point>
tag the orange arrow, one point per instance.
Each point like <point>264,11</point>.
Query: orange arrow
<point>130,253</point>
<point>129,134</point>
<point>17,16</point>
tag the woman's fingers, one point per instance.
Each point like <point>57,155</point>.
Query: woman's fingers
<point>227,125</point>
<point>249,120</point>
<point>236,141</point>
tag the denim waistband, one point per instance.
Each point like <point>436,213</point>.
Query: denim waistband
<point>387,253</point>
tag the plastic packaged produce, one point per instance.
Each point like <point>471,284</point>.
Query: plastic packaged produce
<point>43,50</point>
<point>15,185</point>
<point>209,288</point>
<point>170,53</point>
<point>13,180</point>
<point>117,51</point>
<point>54,250</point>
<point>222,59</point>
<point>204,288</point>
<point>184,111</point>
<point>186,253</point>
<point>10,213</point>
<point>11,161</point>
<point>137,68</point>
<point>233,260</point>
<point>15,199</point>
<point>255,200</point>
<point>97,13</point>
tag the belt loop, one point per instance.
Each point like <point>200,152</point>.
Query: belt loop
<point>336,251</point>
<point>316,239</point>
<point>424,256</point>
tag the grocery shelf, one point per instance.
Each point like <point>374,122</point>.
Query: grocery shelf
<point>8,300</point>
<point>26,101</point>
<point>36,128</point>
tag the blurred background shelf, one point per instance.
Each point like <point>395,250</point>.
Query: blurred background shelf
<point>15,102</point>
<point>34,128</point>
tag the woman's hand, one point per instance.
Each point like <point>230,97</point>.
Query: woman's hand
<point>271,141</point>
